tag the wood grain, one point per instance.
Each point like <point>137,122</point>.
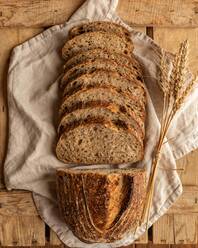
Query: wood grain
<point>54,240</point>
<point>36,13</point>
<point>21,231</point>
<point>183,13</point>
<point>187,202</point>
<point>17,203</point>
<point>163,230</point>
<point>185,229</point>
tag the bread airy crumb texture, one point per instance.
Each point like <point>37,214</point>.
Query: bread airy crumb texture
<point>103,40</point>
<point>102,91</point>
<point>128,105</point>
<point>97,143</point>
<point>101,205</point>
<point>97,64</point>
<point>103,54</point>
<point>99,26</point>
<point>104,110</point>
<point>105,78</point>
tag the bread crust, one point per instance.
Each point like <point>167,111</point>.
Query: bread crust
<point>92,188</point>
<point>104,26</point>
<point>105,64</point>
<point>96,53</point>
<point>98,39</point>
<point>132,106</point>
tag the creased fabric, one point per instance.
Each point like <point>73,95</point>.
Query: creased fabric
<point>34,71</point>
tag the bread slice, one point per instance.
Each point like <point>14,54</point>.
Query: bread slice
<point>133,107</point>
<point>98,64</point>
<point>104,110</point>
<point>99,141</point>
<point>108,41</point>
<point>99,26</point>
<point>105,78</point>
<point>97,53</point>
<point>101,205</point>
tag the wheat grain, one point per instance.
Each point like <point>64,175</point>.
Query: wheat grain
<point>175,94</point>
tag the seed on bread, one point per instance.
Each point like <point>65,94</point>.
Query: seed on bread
<point>104,26</point>
<point>103,40</point>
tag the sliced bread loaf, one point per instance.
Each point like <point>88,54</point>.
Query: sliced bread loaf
<point>99,26</point>
<point>97,53</point>
<point>101,205</point>
<point>136,107</point>
<point>98,142</point>
<point>103,111</point>
<point>105,78</point>
<point>98,64</point>
<point>108,41</point>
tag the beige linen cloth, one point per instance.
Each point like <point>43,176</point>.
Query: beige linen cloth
<point>35,67</point>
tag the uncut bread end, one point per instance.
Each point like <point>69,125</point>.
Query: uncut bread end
<point>101,205</point>
<point>97,144</point>
<point>87,41</point>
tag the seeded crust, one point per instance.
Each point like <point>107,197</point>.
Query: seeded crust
<point>101,205</point>
<point>103,111</point>
<point>107,95</point>
<point>96,53</point>
<point>105,78</point>
<point>98,64</point>
<point>99,26</point>
<point>103,40</point>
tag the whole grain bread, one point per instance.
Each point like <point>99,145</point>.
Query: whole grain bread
<point>105,111</point>
<point>101,205</point>
<point>99,26</point>
<point>97,142</point>
<point>98,64</point>
<point>103,40</point>
<point>105,78</point>
<point>131,106</point>
<point>97,53</point>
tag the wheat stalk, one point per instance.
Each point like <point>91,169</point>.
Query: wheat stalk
<point>175,93</point>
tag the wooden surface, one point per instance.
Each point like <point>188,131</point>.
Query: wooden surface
<point>168,23</point>
<point>168,13</point>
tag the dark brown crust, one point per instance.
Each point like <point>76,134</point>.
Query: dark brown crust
<point>119,124</point>
<point>84,76</point>
<point>75,72</point>
<point>84,88</point>
<point>92,54</point>
<point>88,27</point>
<point>70,187</point>
<point>111,107</point>
<point>95,37</point>
<point>64,110</point>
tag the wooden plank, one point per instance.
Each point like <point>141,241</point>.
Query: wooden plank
<point>147,13</point>
<point>17,203</point>
<point>187,202</point>
<point>185,229</point>
<point>22,231</point>
<point>10,37</point>
<point>170,39</point>
<point>163,231</point>
<point>142,239</point>
<point>54,240</point>
<point>36,13</point>
<point>20,224</point>
<point>168,13</point>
